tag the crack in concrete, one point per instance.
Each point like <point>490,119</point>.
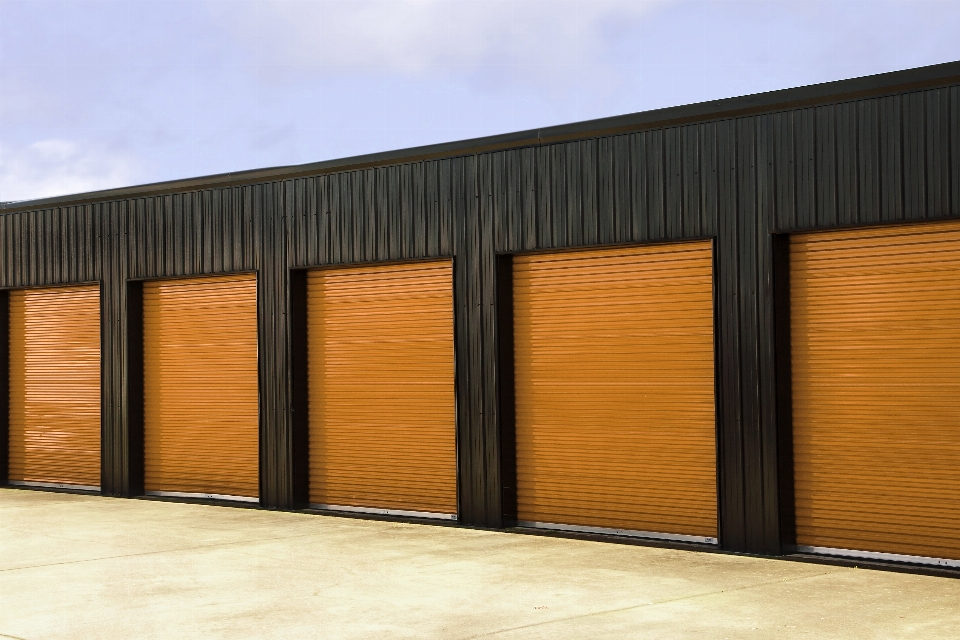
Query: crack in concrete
<point>148,553</point>
<point>647,604</point>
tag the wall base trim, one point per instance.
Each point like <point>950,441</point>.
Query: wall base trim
<point>385,512</point>
<point>877,555</point>
<point>202,496</point>
<point>627,533</point>
<point>54,485</point>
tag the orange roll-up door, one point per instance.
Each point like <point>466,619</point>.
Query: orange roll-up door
<point>381,377</point>
<point>200,386</point>
<point>614,371</point>
<point>875,352</point>
<point>54,435</point>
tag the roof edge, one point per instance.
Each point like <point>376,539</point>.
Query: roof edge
<point>943,74</point>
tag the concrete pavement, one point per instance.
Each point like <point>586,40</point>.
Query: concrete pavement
<point>76,566</point>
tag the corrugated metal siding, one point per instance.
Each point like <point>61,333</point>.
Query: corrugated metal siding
<point>54,427</point>
<point>200,385</point>
<point>381,375</point>
<point>739,180</point>
<point>875,325</point>
<point>615,419</point>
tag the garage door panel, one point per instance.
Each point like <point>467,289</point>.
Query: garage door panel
<point>201,397</point>
<point>607,345</point>
<point>54,425</point>
<point>875,324</point>
<point>381,373</point>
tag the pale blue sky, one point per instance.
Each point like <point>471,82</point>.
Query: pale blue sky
<point>111,93</point>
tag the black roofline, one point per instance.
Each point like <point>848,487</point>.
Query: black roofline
<point>946,73</point>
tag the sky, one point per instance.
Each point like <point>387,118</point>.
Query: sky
<point>107,93</point>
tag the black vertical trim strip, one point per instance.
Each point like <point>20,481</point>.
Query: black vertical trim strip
<point>277,444</point>
<point>134,404</point>
<point>733,535</point>
<point>954,135</point>
<point>507,388</point>
<point>784,391</point>
<point>491,483</point>
<point>4,385</point>
<point>115,445</point>
<point>299,383</point>
<point>718,387</point>
<point>766,364</point>
<point>462,344</point>
<point>457,381</point>
<point>748,243</point>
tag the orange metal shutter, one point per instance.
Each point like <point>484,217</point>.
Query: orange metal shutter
<point>381,376</point>
<point>200,386</point>
<point>875,333</point>
<point>614,370</point>
<point>55,386</point>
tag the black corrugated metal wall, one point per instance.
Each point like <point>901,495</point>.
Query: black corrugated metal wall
<point>740,180</point>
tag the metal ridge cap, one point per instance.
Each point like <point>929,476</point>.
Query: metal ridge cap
<point>249,176</point>
<point>945,73</point>
<point>836,90</point>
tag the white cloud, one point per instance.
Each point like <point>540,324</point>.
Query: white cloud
<point>417,36</point>
<point>56,167</point>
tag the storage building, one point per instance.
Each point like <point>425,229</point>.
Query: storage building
<point>734,324</point>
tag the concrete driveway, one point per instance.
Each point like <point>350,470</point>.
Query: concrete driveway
<point>90,567</point>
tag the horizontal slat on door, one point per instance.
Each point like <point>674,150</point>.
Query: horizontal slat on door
<point>614,378</point>
<point>201,411</point>
<point>55,385</point>
<point>381,376</point>
<point>875,326</point>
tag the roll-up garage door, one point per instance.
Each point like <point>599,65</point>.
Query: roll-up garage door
<point>381,376</point>
<point>54,435</point>
<point>875,333</point>
<point>614,370</point>
<point>200,386</point>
